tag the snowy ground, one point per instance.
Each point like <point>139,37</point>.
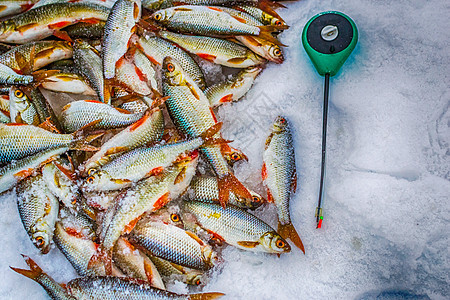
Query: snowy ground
<point>386,225</point>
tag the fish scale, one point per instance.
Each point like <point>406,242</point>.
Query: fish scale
<point>53,50</point>
<point>18,141</point>
<point>156,48</point>
<point>15,29</point>
<point>203,20</point>
<point>8,76</point>
<point>136,164</point>
<point>77,114</point>
<point>145,196</point>
<point>38,210</point>
<point>235,226</point>
<point>90,65</point>
<point>150,130</point>
<point>280,176</point>
<point>219,51</point>
<point>171,243</point>
<point>118,30</point>
<point>279,159</point>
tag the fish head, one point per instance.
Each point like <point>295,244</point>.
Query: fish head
<point>169,214</point>
<point>274,52</point>
<point>274,243</point>
<point>163,16</point>
<point>233,155</point>
<point>41,239</point>
<point>18,99</point>
<point>99,181</point>
<point>172,72</point>
<point>194,278</point>
<point>280,124</point>
<point>256,200</point>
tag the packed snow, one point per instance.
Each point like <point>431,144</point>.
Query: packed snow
<point>386,226</point>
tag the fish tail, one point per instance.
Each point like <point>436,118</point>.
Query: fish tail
<point>101,257</point>
<point>269,7</point>
<point>288,231</point>
<point>205,296</point>
<point>229,183</point>
<point>208,136</point>
<point>34,272</point>
<point>265,33</point>
<point>42,75</point>
<point>81,140</point>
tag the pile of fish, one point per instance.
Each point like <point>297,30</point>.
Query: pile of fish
<point>136,188</point>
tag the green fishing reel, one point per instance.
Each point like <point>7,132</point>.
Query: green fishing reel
<point>329,38</point>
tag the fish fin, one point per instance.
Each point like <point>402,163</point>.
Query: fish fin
<point>23,174</point>
<point>216,236</point>
<point>193,91</point>
<point>62,35</point>
<point>148,268</point>
<point>268,140</point>
<point>49,126</point>
<point>252,41</point>
<point>34,272</point>
<point>239,19</point>
<point>247,244</point>
<point>205,296</point>
<point>101,256</point>
<point>128,228</point>
<point>135,11</point>
<point>288,231</point>
<point>229,183</point>
<point>124,111</point>
<point>90,21</point>
<point>3,7</point>
<point>158,102</point>
<point>70,174</point>
<point>182,9</point>
<point>195,237</point>
<point>180,176</point>
<point>59,25</point>
<point>116,150</point>
<point>41,76</point>
<point>206,56</point>
<point>120,181</point>
<point>226,98</point>
<point>155,171</point>
<point>23,28</point>
<point>270,197</point>
<point>269,6</point>
<point>237,60</point>
<point>211,131</point>
<point>265,33</point>
<point>24,65</point>
<point>294,182</point>
<point>264,171</point>
<point>162,201</point>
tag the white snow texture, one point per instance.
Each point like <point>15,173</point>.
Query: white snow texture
<point>386,212</point>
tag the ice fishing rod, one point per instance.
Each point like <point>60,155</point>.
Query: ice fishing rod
<point>328,38</point>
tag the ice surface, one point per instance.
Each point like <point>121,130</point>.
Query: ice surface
<point>386,211</point>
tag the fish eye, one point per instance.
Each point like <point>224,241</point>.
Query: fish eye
<point>90,179</point>
<point>278,23</point>
<point>170,67</point>
<point>74,201</point>
<point>18,93</point>
<point>280,244</point>
<point>175,217</point>
<point>91,171</point>
<point>39,241</point>
<point>256,199</point>
<point>157,17</point>
<point>235,156</point>
<point>197,282</point>
<point>277,52</point>
<point>282,120</point>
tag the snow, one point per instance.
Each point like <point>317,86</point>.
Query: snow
<point>386,214</point>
